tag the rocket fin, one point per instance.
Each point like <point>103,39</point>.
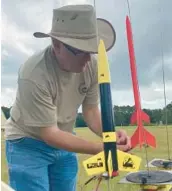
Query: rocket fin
<point>127,162</point>
<point>95,165</point>
<point>110,167</point>
<point>141,136</point>
<point>133,119</point>
<point>144,117</point>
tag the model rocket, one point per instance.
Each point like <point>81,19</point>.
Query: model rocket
<point>109,136</point>
<point>110,160</point>
<point>141,135</point>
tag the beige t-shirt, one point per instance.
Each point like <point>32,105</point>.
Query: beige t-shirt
<point>48,96</point>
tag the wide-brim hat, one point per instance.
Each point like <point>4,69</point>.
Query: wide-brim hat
<point>77,26</point>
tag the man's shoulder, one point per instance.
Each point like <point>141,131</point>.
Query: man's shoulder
<point>34,66</point>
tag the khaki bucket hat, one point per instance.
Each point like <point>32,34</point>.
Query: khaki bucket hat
<point>75,25</point>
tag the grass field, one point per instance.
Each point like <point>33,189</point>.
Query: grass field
<point>159,152</point>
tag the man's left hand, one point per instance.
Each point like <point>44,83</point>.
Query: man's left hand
<point>123,141</point>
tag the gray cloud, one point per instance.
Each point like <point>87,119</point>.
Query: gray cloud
<point>28,15</point>
<point>147,22</point>
<point>148,18</point>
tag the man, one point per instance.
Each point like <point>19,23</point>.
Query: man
<point>52,84</point>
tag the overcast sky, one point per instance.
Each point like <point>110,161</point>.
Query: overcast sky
<point>20,19</point>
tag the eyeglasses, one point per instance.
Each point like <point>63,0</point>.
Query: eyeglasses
<point>74,50</point>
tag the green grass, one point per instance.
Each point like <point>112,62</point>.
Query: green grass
<point>159,152</point>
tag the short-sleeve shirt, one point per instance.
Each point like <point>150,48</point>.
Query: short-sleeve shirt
<point>49,96</point>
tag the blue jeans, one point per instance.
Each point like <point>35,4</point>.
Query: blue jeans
<point>35,166</point>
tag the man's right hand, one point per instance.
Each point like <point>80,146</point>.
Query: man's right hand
<point>123,141</point>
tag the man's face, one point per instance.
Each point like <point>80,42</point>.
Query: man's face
<point>71,59</point>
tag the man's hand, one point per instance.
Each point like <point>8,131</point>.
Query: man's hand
<point>123,141</point>
<point>92,117</point>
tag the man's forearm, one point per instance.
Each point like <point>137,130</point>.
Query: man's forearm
<point>67,141</point>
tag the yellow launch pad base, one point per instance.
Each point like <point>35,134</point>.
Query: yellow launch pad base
<point>156,188</point>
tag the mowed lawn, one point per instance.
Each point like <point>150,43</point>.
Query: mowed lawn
<point>159,152</point>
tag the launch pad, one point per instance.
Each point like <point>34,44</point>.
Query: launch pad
<point>152,177</point>
<point>154,180</point>
<point>160,164</point>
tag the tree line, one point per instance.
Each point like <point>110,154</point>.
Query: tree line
<point>122,115</point>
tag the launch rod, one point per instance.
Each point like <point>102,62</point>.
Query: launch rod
<point>133,64</point>
<point>109,136</point>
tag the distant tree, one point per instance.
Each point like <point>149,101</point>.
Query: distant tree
<point>167,112</point>
<point>122,114</point>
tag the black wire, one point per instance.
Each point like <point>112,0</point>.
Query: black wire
<point>129,9</point>
<point>165,98</point>
<point>95,4</point>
